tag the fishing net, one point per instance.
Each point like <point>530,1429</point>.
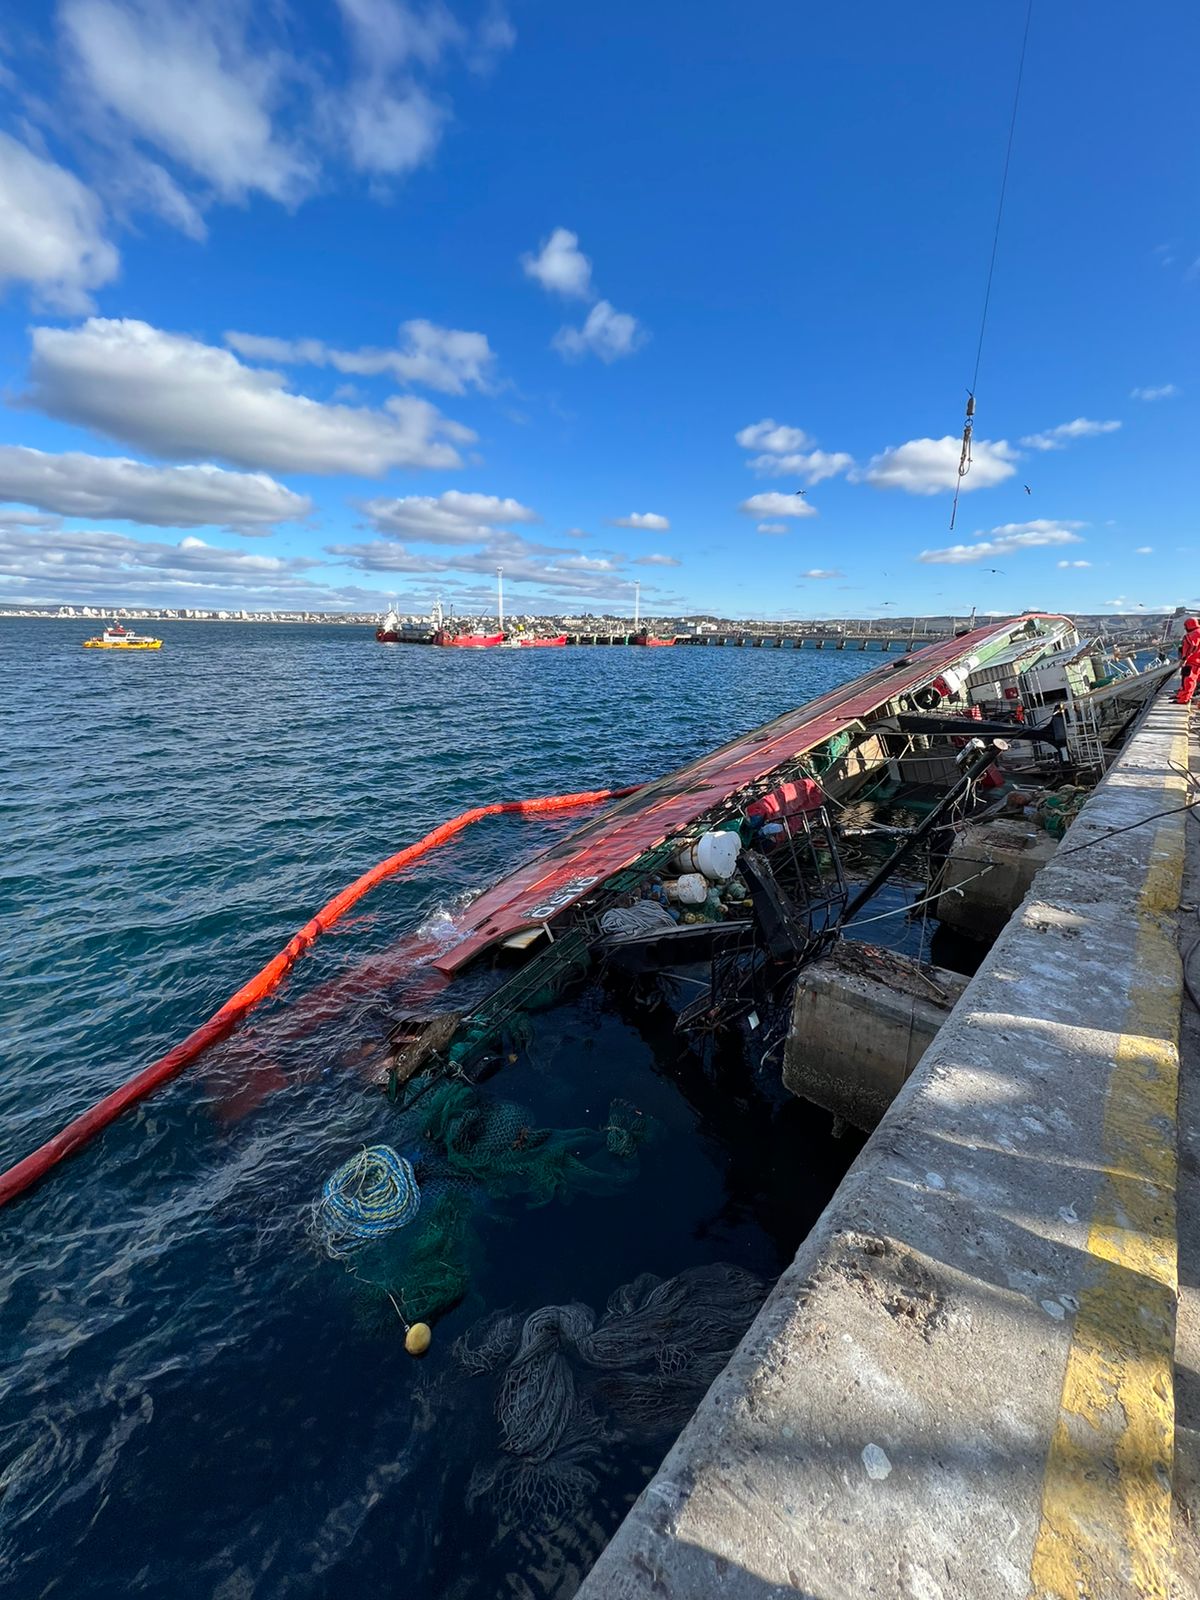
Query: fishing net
<point>494,1143</point>
<point>537,1391</point>
<point>667,1325</point>
<point>488,1344</point>
<point>657,1348</point>
<point>464,1148</point>
<point>626,1130</point>
<point>529,1493</point>
<point>369,1196</point>
<point>427,1270</point>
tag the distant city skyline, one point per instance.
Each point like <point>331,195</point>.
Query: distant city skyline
<point>304,309</point>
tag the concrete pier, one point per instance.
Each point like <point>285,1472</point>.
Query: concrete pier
<point>861,1021</point>
<point>964,1384</point>
<point>989,871</point>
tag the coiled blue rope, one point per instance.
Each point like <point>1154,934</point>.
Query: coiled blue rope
<point>372,1194</point>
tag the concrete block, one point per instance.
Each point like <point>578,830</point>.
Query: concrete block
<point>988,873</point>
<point>861,1020</point>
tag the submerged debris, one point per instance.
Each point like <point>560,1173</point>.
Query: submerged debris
<point>568,1378</point>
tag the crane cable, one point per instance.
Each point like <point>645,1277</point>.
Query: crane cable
<point>964,463</point>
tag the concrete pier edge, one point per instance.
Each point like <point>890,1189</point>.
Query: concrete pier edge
<point>962,1386</point>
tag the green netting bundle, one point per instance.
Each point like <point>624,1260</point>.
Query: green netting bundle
<point>826,755</point>
<point>494,1143</point>
<point>425,1270</point>
<point>464,1149</point>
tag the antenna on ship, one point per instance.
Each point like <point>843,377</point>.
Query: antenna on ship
<point>500,595</point>
<point>637,604</point>
<point>964,460</point>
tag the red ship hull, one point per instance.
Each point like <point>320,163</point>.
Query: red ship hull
<point>386,636</point>
<point>649,640</point>
<point>554,643</point>
<point>467,641</point>
<point>541,888</point>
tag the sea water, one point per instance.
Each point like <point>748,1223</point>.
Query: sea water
<point>194,1403</point>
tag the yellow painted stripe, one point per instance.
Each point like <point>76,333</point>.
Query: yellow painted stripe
<point>1106,1495</point>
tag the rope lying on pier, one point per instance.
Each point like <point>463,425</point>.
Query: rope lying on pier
<point>222,1022</point>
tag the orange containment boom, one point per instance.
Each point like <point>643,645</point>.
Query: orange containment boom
<point>222,1022</point>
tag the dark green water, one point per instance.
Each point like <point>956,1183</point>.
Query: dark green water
<point>194,1404</point>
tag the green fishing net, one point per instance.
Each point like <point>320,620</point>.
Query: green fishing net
<point>467,1148</point>
<point>494,1143</point>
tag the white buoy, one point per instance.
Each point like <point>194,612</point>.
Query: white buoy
<point>714,854</point>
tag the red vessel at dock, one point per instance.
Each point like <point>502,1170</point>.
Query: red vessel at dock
<point>650,640</point>
<point>469,641</point>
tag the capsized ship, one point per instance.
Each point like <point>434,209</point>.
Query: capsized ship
<point>649,886</point>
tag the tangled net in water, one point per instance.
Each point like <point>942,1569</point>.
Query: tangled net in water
<point>626,1130</point>
<point>537,1391</point>
<point>369,1196</point>
<point>646,1363</point>
<point>494,1143</point>
<point>524,1493</point>
<point>468,1147</point>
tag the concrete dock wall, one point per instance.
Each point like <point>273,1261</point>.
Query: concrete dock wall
<point>861,1021</point>
<point>962,1386</point>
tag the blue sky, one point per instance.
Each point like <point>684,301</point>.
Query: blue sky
<point>310,305</point>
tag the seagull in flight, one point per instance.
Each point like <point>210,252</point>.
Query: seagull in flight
<point>1028,490</point>
<point>800,491</point>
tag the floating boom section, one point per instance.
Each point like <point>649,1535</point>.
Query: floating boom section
<point>577,865</point>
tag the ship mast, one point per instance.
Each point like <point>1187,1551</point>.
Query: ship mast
<point>500,595</point>
<point>637,605</point>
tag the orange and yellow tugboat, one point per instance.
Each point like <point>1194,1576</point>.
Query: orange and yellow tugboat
<point>118,638</point>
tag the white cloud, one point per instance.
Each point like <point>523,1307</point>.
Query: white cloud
<point>174,396</point>
<point>772,527</point>
<point>1063,564</point>
<point>224,97</point>
<point>553,570</point>
<point>1165,391</point>
<point>93,566</point>
<point>391,132</point>
<point>929,466</point>
<point>450,518</point>
<point>642,519</point>
<point>772,436</point>
<point>607,333</point>
<point>51,233</point>
<point>813,466</point>
<point>450,360</point>
<point>1007,540</point>
<point>658,561</point>
<point>188,81</point>
<point>790,453</point>
<point>822,572</point>
<point>1058,438</point>
<point>77,485</point>
<point>560,266</point>
<point>774,504</point>
<point>1144,550</point>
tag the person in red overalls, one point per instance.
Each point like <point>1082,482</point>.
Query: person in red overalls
<point>1189,651</point>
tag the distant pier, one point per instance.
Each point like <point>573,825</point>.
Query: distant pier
<point>806,640</point>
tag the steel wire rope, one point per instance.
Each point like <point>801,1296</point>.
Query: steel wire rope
<point>965,463</point>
